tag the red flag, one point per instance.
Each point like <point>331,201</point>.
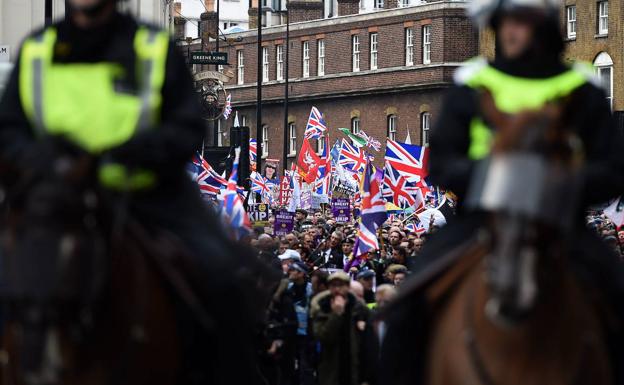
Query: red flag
<point>308,162</point>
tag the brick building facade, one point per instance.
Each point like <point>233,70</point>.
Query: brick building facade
<point>382,72</point>
<point>593,33</point>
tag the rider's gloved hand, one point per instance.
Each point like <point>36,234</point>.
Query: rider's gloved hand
<point>119,177</point>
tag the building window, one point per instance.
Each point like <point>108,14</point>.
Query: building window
<point>355,49</point>
<point>265,64</point>
<point>306,59</point>
<point>265,141</point>
<point>279,53</point>
<point>425,125</point>
<point>355,126</point>
<point>603,17</point>
<point>409,46</point>
<point>292,134</point>
<point>378,4</point>
<point>426,33</point>
<point>220,68</point>
<point>604,69</point>
<point>373,51</point>
<point>392,124</point>
<point>571,21</point>
<point>321,57</point>
<point>241,66</point>
<point>404,3</point>
<point>220,133</point>
<point>243,120</point>
<point>320,145</point>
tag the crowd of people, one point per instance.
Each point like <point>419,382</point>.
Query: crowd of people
<point>323,323</point>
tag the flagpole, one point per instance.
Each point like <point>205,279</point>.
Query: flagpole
<point>286,86</point>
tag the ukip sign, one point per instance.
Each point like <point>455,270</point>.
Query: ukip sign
<point>284,222</point>
<point>341,210</point>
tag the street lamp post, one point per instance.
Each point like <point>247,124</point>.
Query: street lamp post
<point>286,86</point>
<point>259,93</point>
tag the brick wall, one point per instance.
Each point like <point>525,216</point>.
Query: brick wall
<point>305,10</point>
<point>392,88</point>
<point>587,44</point>
<point>348,7</point>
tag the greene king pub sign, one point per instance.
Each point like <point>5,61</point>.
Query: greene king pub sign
<point>200,57</point>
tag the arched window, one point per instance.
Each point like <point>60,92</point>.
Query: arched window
<point>265,141</point>
<point>392,127</point>
<point>425,125</point>
<point>355,125</point>
<point>292,134</point>
<point>604,69</point>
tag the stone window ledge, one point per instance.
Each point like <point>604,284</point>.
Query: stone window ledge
<point>601,36</point>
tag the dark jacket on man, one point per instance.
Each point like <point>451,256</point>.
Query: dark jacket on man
<point>345,349</point>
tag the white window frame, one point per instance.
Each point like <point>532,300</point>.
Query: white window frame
<point>279,60</point>
<point>378,4</point>
<point>355,53</point>
<point>240,63</point>
<point>292,138</point>
<point>425,128</point>
<point>404,3</point>
<point>374,48</point>
<point>604,65</point>
<point>320,144</point>
<point>243,120</point>
<point>220,133</point>
<point>571,21</point>
<point>305,59</point>
<point>320,49</point>
<point>603,18</point>
<point>265,64</point>
<point>265,141</point>
<point>409,46</point>
<point>355,125</point>
<point>426,40</point>
<point>392,127</point>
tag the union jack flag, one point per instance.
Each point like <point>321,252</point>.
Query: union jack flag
<point>370,141</point>
<point>253,153</point>
<point>416,228</point>
<point>227,110</point>
<point>373,214</point>
<point>260,185</point>
<point>208,180</point>
<point>316,125</point>
<point>325,169</point>
<point>351,157</point>
<point>233,213</point>
<point>409,160</point>
<point>399,190</point>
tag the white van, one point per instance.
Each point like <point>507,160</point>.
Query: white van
<point>5,71</point>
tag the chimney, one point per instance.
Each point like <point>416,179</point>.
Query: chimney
<point>208,26</point>
<point>389,4</point>
<point>305,10</point>
<point>178,22</point>
<point>348,7</point>
<point>253,18</point>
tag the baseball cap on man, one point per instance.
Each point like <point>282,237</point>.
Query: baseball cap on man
<point>290,254</point>
<point>339,276</point>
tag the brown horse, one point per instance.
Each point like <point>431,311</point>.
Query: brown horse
<point>505,306</point>
<point>92,297</point>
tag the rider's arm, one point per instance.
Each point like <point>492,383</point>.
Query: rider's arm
<point>449,165</point>
<point>180,133</point>
<point>16,134</point>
